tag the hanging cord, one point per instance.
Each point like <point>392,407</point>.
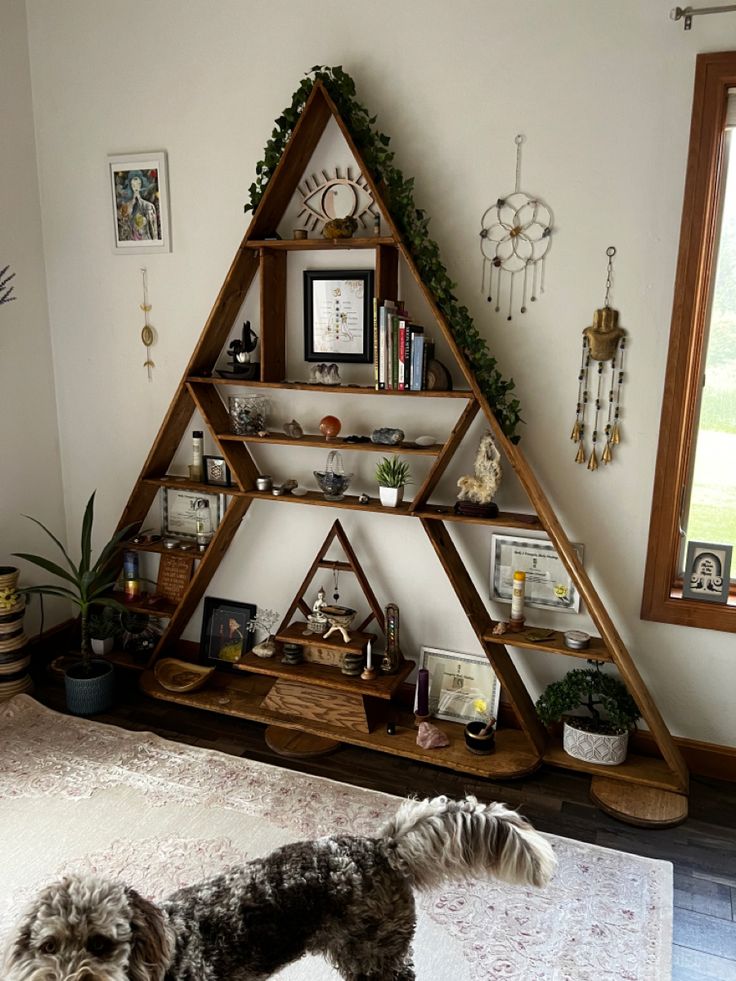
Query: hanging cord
<point>610,252</point>
<point>518,140</point>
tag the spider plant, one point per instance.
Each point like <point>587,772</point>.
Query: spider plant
<point>392,472</point>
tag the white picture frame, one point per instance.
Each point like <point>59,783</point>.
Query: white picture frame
<point>181,508</point>
<point>456,681</point>
<point>140,202</point>
<point>548,586</point>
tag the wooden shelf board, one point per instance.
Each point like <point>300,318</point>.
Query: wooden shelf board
<point>645,807</point>
<point>350,502</point>
<point>332,389</point>
<point>646,770</point>
<point>505,519</point>
<point>171,480</point>
<point>186,553</point>
<point>124,659</point>
<point>320,244</point>
<point>555,645</point>
<point>241,696</point>
<point>294,634</point>
<point>162,608</point>
<point>312,439</point>
<point>325,676</point>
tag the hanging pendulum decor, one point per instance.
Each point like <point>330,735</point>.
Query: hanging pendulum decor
<point>148,334</point>
<point>604,343</point>
<point>515,237</point>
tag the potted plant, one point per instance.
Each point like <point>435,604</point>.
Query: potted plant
<point>392,475</point>
<point>103,626</point>
<point>480,733</point>
<point>603,735</point>
<point>88,682</point>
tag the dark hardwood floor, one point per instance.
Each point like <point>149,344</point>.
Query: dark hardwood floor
<point>702,849</point>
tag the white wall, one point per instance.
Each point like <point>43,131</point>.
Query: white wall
<point>30,474</point>
<point>602,92</point>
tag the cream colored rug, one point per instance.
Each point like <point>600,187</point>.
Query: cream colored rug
<point>80,796</point>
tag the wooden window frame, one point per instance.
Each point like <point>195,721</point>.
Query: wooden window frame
<point>715,74</point>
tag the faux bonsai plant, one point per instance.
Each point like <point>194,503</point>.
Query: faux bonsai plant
<point>601,736</point>
<point>87,586</point>
<point>103,626</point>
<point>392,474</point>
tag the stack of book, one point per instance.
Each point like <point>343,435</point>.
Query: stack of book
<point>401,351</point>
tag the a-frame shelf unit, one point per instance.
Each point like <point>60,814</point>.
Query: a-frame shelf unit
<point>643,790</point>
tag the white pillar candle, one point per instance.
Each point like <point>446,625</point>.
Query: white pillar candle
<point>368,660</point>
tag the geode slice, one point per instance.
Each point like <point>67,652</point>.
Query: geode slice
<point>390,437</point>
<point>430,737</point>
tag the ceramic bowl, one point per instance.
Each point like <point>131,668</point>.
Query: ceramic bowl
<point>175,675</point>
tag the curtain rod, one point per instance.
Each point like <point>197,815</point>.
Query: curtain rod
<point>677,13</point>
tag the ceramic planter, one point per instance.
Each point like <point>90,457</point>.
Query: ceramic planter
<point>391,497</point>
<point>102,645</point>
<point>594,747</point>
<point>475,743</point>
<point>87,694</point>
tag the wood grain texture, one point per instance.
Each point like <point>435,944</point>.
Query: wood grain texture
<point>305,702</point>
<point>273,315</point>
<point>448,451</point>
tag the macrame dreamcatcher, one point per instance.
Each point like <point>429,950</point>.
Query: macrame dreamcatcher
<point>603,342</point>
<point>515,237</point>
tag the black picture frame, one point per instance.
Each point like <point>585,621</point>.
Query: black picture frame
<point>707,574</point>
<point>218,632</point>
<point>211,466</point>
<point>354,310</point>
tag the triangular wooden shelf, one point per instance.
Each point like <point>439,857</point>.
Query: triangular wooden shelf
<point>663,782</point>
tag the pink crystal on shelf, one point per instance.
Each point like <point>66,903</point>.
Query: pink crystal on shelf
<point>430,737</point>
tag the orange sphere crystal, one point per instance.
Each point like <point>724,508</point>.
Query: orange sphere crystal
<point>330,426</point>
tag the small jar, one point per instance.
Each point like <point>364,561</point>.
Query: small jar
<point>248,414</point>
<point>517,601</point>
<point>264,482</point>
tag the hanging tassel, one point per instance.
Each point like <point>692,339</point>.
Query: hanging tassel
<point>593,461</point>
<point>575,434</point>
<point>607,455</point>
<point>580,456</point>
<point>615,434</point>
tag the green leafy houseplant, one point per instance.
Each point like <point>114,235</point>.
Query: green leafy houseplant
<point>392,471</point>
<point>411,221</point>
<point>612,710</point>
<point>104,624</point>
<point>85,584</point>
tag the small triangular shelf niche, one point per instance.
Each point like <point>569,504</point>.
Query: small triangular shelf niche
<point>650,791</point>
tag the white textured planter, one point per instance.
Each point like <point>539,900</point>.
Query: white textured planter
<point>391,497</point>
<point>102,646</point>
<point>594,747</point>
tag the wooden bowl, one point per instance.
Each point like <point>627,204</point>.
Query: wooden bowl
<point>175,675</point>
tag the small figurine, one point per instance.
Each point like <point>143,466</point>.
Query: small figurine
<point>478,490</point>
<point>317,621</point>
<point>239,351</point>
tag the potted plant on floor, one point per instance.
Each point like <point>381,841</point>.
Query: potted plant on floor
<point>603,735</point>
<point>88,682</point>
<point>392,475</point>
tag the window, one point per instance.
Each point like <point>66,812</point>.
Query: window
<point>695,482</point>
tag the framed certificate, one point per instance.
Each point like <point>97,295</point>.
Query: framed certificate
<point>548,583</point>
<point>181,510</point>
<point>457,682</point>
<point>337,315</point>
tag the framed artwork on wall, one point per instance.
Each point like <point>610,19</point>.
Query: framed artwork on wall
<point>140,201</point>
<point>226,631</point>
<point>707,574</point>
<point>337,315</point>
<point>548,583</point>
<point>457,682</point>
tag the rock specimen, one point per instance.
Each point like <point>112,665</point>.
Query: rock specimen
<point>430,737</point>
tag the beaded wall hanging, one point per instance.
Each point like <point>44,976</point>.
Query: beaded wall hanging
<point>148,334</point>
<point>603,342</point>
<point>515,236</point>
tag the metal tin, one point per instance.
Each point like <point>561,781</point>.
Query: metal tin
<point>576,640</point>
<point>264,482</point>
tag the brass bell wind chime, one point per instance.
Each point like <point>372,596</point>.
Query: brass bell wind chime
<point>603,342</point>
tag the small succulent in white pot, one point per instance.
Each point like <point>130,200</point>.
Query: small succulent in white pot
<point>392,474</point>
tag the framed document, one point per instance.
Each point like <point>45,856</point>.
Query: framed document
<point>457,682</point>
<point>337,315</point>
<point>548,583</point>
<point>181,510</point>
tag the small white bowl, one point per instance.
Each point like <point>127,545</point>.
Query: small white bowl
<point>425,440</point>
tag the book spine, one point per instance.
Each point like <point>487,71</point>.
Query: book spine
<point>394,351</point>
<point>426,358</point>
<point>375,343</point>
<point>401,373</point>
<point>382,347</point>
<point>417,363</point>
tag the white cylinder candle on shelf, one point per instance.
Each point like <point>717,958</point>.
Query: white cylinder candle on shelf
<point>368,656</point>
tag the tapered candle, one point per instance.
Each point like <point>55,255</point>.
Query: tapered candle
<point>422,691</point>
<point>368,657</point>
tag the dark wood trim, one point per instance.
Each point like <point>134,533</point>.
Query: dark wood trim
<point>714,75</point>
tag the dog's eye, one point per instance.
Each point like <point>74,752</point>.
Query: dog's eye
<point>99,945</point>
<point>49,946</point>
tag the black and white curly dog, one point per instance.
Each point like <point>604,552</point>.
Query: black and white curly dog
<point>349,898</point>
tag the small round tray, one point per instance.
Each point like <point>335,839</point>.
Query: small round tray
<point>175,675</point>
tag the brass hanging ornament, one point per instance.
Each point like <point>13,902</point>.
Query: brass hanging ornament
<point>603,342</point>
<point>148,334</point>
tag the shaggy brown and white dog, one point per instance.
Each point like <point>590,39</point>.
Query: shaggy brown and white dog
<point>348,898</point>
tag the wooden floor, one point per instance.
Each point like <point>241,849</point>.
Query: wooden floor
<point>702,850</point>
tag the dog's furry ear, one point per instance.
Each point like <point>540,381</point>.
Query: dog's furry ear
<point>152,943</point>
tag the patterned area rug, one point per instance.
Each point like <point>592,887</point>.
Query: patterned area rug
<point>80,796</point>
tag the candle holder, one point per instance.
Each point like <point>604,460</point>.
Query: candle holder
<point>368,674</point>
<point>418,719</point>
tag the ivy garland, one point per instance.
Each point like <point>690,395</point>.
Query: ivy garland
<point>398,193</point>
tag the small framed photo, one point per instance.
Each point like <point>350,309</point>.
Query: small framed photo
<point>225,631</point>
<point>707,574</point>
<point>183,510</point>
<point>548,583</point>
<point>216,471</point>
<point>456,682</point>
<point>140,201</point>
<point>337,315</point>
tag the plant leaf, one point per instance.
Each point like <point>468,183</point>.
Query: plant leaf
<point>48,566</point>
<point>89,516</point>
<point>53,537</point>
